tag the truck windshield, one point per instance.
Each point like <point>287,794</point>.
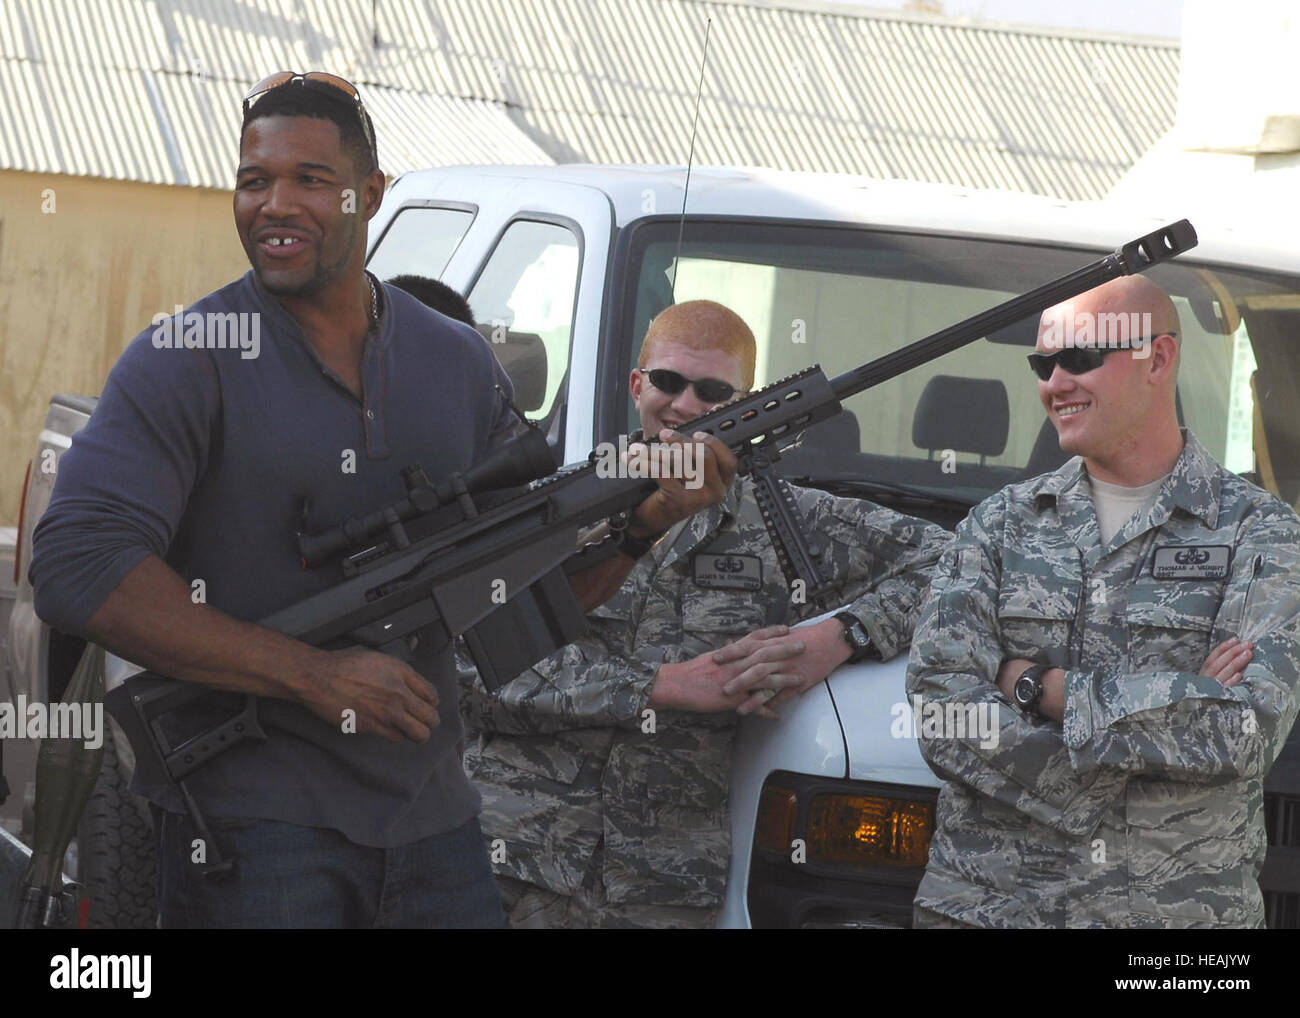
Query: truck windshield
<point>967,424</point>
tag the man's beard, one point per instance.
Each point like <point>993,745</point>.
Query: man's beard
<point>321,276</point>
<point>319,280</point>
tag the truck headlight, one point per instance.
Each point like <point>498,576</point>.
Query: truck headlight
<point>837,853</point>
<point>857,824</point>
<point>774,827</point>
<point>869,830</point>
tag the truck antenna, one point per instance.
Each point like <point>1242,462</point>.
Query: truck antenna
<point>690,158</point>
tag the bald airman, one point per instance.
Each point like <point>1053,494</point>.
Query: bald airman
<point>1134,618</point>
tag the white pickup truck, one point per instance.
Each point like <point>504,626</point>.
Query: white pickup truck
<point>833,805</point>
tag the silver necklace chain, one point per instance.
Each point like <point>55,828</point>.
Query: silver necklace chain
<point>374,300</point>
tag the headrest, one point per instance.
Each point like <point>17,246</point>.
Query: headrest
<point>964,414</point>
<point>523,356</point>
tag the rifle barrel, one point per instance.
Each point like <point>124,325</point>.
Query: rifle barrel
<point>1135,256</point>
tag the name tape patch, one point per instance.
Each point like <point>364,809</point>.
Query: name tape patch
<point>728,572</point>
<point>1191,562</point>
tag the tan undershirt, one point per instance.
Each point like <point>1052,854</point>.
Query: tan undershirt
<point>1116,505</point>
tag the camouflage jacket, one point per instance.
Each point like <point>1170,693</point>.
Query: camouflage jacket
<point>569,753</point>
<point>1144,808</point>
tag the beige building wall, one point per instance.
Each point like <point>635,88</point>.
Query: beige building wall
<point>84,265</point>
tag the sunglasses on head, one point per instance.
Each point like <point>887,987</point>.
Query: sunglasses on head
<point>329,85</point>
<point>1078,360</point>
<point>709,390</point>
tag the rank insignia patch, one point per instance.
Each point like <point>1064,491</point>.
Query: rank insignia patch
<point>1191,562</point>
<point>728,572</point>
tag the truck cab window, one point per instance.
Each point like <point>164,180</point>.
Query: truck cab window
<point>523,302</point>
<point>419,242</point>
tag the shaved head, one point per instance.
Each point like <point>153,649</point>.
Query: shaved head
<point>1128,295</point>
<point>703,325</point>
<point>1129,298</point>
<point>1119,411</point>
<point>1137,293</point>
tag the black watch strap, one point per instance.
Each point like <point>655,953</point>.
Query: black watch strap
<point>634,547</point>
<point>1028,689</point>
<point>857,637</point>
<point>627,544</point>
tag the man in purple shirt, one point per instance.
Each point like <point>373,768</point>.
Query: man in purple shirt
<point>197,468</point>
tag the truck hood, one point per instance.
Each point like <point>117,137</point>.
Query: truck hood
<point>864,708</point>
<point>857,724</point>
<point>876,718</point>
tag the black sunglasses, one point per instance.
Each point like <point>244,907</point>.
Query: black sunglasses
<point>1078,360</point>
<point>709,390</point>
<point>329,85</point>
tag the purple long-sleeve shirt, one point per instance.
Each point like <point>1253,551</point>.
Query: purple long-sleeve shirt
<point>206,457</point>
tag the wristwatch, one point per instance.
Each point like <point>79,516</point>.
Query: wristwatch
<point>1029,688</point>
<point>857,637</point>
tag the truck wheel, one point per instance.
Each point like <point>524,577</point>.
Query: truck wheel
<point>115,846</point>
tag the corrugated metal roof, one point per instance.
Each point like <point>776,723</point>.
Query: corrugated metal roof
<point>530,81</point>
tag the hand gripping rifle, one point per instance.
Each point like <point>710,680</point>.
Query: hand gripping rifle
<point>442,560</point>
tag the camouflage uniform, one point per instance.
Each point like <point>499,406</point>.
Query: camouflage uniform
<point>1144,808</point>
<point>629,821</point>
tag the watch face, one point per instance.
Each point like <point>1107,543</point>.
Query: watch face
<point>856,636</point>
<point>1026,689</point>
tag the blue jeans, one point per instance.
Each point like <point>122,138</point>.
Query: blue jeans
<point>291,877</point>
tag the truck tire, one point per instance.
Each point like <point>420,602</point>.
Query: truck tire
<point>116,862</point>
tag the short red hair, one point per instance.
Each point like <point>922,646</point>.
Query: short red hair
<point>703,325</point>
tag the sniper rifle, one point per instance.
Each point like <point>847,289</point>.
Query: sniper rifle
<point>444,559</point>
